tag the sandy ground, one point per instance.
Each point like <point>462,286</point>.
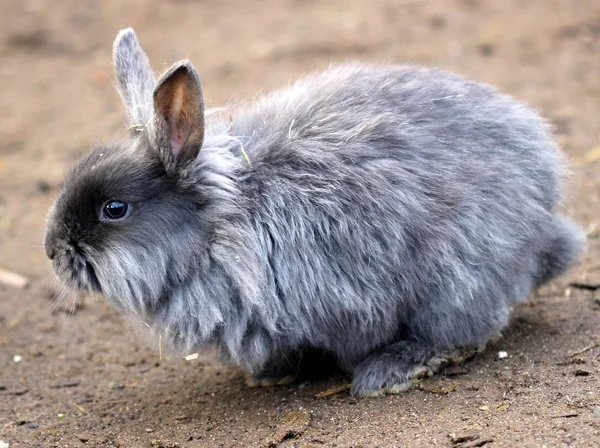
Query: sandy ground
<point>85,378</point>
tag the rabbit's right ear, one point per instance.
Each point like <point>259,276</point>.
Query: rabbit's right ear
<point>135,77</point>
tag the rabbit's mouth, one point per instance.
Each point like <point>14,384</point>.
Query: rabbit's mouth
<point>93,278</point>
<point>72,267</point>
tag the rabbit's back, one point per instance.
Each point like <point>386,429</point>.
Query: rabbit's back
<point>388,198</point>
<point>429,122</point>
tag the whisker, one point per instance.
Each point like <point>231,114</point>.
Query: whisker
<point>59,294</point>
<point>138,317</point>
<point>73,306</point>
<point>64,325</point>
<point>32,245</point>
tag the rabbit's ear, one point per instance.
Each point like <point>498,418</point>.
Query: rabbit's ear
<point>135,77</point>
<point>179,114</point>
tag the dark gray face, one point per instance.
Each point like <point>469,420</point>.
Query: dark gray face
<point>78,228</point>
<point>129,220</point>
<point>117,204</point>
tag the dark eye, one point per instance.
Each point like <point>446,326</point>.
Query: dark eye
<point>114,210</point>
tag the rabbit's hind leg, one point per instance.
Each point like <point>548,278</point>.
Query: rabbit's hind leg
<point>566,242</point>
<point>395,368</point>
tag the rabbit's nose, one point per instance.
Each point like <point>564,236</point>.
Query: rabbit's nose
<point>50,251</point>
<point>50,247</point>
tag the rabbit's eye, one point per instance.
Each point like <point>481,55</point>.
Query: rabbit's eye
<point>114,210</point>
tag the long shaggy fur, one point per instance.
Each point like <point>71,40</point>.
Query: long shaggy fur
<point>382,214</point>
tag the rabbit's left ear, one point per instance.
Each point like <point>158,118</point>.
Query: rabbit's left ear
<point>178,127</point>
<point>135,77</point>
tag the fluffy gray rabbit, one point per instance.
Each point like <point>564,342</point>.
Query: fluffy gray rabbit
<point>384,215</point>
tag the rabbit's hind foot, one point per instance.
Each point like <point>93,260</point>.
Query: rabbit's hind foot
<point>398,367</point>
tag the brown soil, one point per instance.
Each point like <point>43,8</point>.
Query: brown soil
<point>88,380</point>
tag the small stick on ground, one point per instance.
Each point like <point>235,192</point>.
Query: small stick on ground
<point>333,391</point>
<point>475,443</point>
<point>583,350</point>
<point>568,415</point>
<point>13,279</point>
<point>78,407</point>
<point>585,286</point>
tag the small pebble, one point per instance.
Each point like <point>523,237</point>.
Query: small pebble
<point>502,355</point>
<point>84,437</point>
<point>595,411</point>
<point>3,444</point>
<point>463,437</point>
<point>17,359</point>
<point>149,430</point>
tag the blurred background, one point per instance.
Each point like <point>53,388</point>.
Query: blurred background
<point>81,377</point>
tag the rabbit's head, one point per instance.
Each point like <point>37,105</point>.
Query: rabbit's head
<point>128,220</point>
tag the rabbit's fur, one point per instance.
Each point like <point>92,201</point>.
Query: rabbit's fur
<point>382,214</point>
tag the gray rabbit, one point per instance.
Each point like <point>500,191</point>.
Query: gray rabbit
<point>384,215</point>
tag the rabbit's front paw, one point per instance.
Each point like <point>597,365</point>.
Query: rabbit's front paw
<point>269,381</point>
<point>278,371</point>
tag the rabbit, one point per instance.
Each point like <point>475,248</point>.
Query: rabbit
<point>385,215</point>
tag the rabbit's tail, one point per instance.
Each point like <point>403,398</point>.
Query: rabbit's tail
<point>566,241</point>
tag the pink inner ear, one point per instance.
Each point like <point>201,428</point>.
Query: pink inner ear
<point>176,141</point>
<point>178,136</point>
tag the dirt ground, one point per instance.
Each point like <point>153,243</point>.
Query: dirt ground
<point>83,377</point>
